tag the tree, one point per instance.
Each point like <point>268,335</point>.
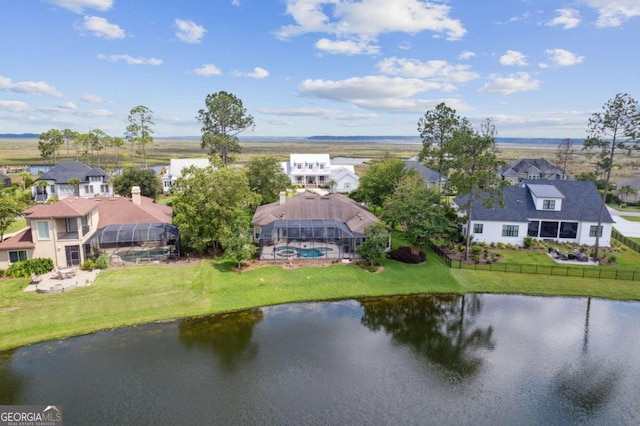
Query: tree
<point>150,184</point>
<point>436,128</point>
<point>380,180</point>
<point>11,208</point>
<point>236,238</point>
<point>69,135</point>
<point>626,190</point>
<point>139,132</point>
<point>417,209</point>
<point>564,154</point>
<point>206,203</point>
<point>474,162</point>
<point>49,144</point>
<point>75,182</point>
<point>616,128</point>
<point>96,140</point>
<point>375,243</point>
<point>267,178</point>
<point>222,120</point>
<point>117,144</point>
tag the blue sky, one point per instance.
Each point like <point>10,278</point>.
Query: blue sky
<point>308,67</point>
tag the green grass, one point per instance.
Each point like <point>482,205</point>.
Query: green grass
<point>16,226</point>
<point>631,218</point>
<point>135,295</point>
<point>628,209</point>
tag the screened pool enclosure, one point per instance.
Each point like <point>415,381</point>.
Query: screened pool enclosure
<point>306,239</point>
<point>135,243</point>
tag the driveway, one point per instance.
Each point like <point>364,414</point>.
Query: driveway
<point>625,227</point>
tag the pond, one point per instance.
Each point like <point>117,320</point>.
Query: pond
<point>477,359</point>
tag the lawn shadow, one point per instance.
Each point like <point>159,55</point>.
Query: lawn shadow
<point>223,266</point>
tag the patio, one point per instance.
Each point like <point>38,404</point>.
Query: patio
<point>51,283</point>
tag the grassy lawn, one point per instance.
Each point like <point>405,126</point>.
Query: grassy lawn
<point>16,226</point>
<point>631,209</point>
<point>631,218</point>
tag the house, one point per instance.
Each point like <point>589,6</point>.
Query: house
<point>561,210</point>
<point>55,182</point>
<point>309,225</point>
<point>311,171</point>
<point>176,166</point>
<point>631,197</point>
<point>5,181</point>
<point>68,230</point>
<point>531,169</point>
<point>431,178</point>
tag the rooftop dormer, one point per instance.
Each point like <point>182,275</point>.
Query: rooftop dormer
<point>546,197</point>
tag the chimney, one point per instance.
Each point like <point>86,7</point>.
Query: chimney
<point>283,197</point>
<point>135,195</point>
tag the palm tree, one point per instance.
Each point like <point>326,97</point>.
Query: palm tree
<point>75,182</point>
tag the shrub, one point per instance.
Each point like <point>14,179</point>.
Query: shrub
<point>1,273</point>
<point>500,245</point>
<point>528,242</point>
<point>475,258</point>
<point>102,262</point>
<point>611,258</point>
<point>88,265</point>
<point>405,255</point>
<point>476,250</point>
<point>24,268</point>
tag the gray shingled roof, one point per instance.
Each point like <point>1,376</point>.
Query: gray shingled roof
<point>62,172</point>
<point>429,175</point>
<point>581,203</point>
<point>526,165</point>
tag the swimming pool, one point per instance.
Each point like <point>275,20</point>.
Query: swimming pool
<point>289,251</point>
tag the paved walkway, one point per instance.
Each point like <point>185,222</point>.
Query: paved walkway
<point>50,284</point>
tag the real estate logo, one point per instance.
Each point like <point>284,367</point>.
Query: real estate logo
<point>30,415</point>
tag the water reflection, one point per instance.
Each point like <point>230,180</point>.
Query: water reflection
<point>11,383</point>
<point>439,328</point>
<point>228,335</point>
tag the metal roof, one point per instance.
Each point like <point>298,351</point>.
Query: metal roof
<point>544,191</point>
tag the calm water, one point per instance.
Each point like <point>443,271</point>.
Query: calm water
<point>481,360</point>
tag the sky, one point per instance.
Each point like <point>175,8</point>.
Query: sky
<point>538,68</point>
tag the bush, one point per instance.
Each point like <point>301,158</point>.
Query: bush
<point>611,258</point>
<point>528,242</point>
<point>102,262</point>
<point>476,249</point>
<point>88,265</point>
<point>1,273</point>
<point>24,268</point>
<point>405,255</point>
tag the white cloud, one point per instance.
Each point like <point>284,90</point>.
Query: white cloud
<point>405,45</point>
<point>562,57</point>
<point>518,82</point>
<point>189,31</point>
<point>513,57</point>
<point>235,2</point>
<point>29,87</point>
<point>567,18</point>
<point>207,70</point>
<point>258,73</point>
<point>612,13</point>
<point>437,70</point>
<point>78,6</point>
<point>130,59</point>
<point>466,54</point>
<point>92,99</point>
<point>14,106</point>
<point>68,106</point>
<point>327,113</point>
<point>346,47</point>
<point>363,21</point>
<point>100,27</point>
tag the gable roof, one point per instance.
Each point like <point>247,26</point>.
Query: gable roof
<point>581,203</point>
<point>62,172</point>
<point>428,174</point>
<point>309,158</point>
<point>307,205</point>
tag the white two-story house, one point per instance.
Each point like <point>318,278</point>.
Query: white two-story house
<point>311,171</point>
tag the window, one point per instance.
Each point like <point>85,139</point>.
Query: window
<point>88,189</point>
<point>549,204</point>
<point>592,231</point>
<point>17,255</point>
<point>569,230</point>
<point>510,230</point>
<point>478,228</point>
<point>310,166</point>
<point>321,166</point>
<point>299,166</point>
<point>105,188</point>
<point>43,230</point>
<point>53,189</point>
<point>549,229</point>
<point>532,230</point>
<point>347,185</point>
